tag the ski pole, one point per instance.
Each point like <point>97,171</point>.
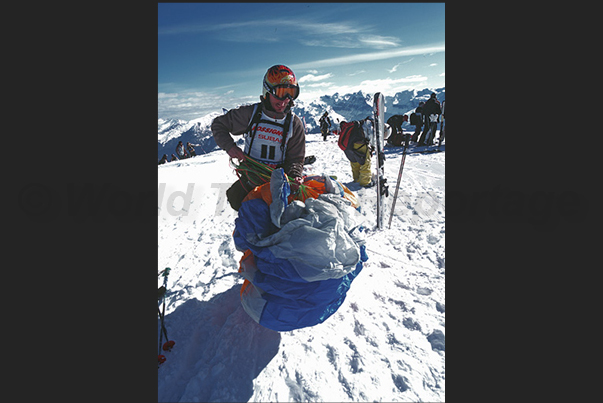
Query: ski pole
<point>167,346</point>
<point>389,225</point>
<point>163,329</point>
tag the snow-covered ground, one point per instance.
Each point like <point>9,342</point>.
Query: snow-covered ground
<point>386,341</point>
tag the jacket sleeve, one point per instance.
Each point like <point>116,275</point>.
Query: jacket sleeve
<point>234,122</point>
<point>296,149</point>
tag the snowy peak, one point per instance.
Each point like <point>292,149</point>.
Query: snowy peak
<point>196,131</point>
<point>359,105</point>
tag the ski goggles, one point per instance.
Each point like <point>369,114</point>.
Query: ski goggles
<point>283,91</point>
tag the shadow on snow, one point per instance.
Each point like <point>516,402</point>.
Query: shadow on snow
<point>219,351</point>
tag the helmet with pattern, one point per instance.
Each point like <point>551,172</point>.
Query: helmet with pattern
<point>280,81</point>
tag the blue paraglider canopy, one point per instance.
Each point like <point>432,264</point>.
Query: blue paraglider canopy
<point>300,256</point>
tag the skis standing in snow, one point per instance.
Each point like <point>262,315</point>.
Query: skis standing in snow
<point>379,126</point>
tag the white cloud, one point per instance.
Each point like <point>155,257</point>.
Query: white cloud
<point>443,75</point>
<point>390,83</point>
<point>378,41</point>
<point>318,85</point>
<point>433,64</point>
<point>341,34</point>
<point>393,69</point>
<point>367,57</point>
<point>313,78</point>
<point>329,28</point>
<point>162,95</point>
<point>356,73</point>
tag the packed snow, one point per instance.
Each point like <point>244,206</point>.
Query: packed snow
<point>385,343</point>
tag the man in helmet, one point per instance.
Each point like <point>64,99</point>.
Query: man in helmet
<point>273,134</point>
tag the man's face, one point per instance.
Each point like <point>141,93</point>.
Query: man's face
<point>278,105</point>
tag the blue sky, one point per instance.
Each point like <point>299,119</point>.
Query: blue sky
<point>214,55</point>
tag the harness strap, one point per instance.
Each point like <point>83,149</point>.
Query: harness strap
<point>256,118</point>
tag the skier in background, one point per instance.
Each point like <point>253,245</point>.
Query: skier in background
<point>325,125</point>
<point>174,158</point>
<point>163,159</point>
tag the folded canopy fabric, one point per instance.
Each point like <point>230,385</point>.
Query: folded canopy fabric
<point>300,256</point>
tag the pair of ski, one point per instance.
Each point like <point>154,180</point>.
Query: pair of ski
<point>167,346</point>
<point>382,189</point>
<point>426,149</point>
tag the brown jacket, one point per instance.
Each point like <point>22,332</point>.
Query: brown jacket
<point>235,122</point>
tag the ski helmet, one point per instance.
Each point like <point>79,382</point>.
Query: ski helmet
<point>280,81</point>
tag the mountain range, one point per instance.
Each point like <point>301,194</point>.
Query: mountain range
<point>348,107</point>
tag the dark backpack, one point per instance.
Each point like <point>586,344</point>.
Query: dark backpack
<point>414,119</point>
<point>350,134</point>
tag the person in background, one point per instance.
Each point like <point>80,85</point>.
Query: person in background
<point>163,159</point>
<point>361,164</point>
<point>397,134</point>
<point>361,149</point>
<point>191,149</point>
<point>442,125</point>
<point>180,151</point>
<point>419,122</point>
<point>431,111</point>
<point>325,125</point>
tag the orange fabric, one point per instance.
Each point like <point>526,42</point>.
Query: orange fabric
<point>246,255</point>
<point>245,285</point>
<point>314,186</point>
<point>254,194</point>
<point>348,195</point>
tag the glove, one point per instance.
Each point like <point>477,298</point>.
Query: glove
<point>236,152</point>
<point>297,181</point>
